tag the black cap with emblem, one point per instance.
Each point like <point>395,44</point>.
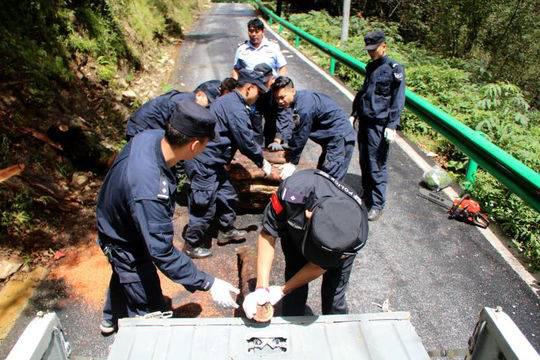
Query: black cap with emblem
<point>373,39</point>
<point>252,77</point>
<point>193,120</point>
<point>338,229</point>
<point>264,69</point>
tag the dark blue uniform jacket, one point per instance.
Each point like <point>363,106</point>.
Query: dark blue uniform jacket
<point>317,117</point>
<point>266,106</point>
<point>235,133</point>
<point>284,216</point>
<point>134,216</point>
<point>382,96</point>
<point>155,113</point>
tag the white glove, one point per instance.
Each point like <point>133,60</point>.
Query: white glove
<point>221,294</point>
<point>267,167</point>
<point>275,293</point>
<point>258,297</point>
<point>351,120</point>
<point>286,170</point>
<point>275,147</point>
<point>390,135</point>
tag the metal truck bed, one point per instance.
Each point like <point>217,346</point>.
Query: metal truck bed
<point>363,336</point>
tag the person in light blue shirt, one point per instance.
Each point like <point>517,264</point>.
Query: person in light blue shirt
<point>258,49</point>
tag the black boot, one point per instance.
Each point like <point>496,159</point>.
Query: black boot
<point>231,235</point>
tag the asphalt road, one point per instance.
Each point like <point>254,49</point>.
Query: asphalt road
<point>441,271</point>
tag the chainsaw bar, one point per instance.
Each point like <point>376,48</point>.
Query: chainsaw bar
<point>436,198</point>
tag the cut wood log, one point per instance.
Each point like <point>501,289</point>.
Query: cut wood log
<point>9,172</point>
<point>82,147</point>
<point>275,157</point>
<point>247,270</point>
<point>40,136</point>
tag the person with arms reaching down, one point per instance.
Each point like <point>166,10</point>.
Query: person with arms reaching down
<point>322,224</point>
<point>376,109</point>
<point>269,124</point>
<point>134,218</point>
<point>318,117</point>
<point>156,113</point>
<point>212,196</point>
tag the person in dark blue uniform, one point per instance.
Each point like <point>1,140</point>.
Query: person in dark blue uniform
<point>322,224</point>
<point>317,117</point>
<point>377,108</point>
<point>134,218</point>
<point>268,122</point>
<point>155,113</point>
<point>211,188</point>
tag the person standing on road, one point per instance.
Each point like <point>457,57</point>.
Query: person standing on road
<point>322,224</point>
<point>377,108</point>
<point>258,49</point>
<point>134,218</point>
<point>156,113</point>
<point>315,116</point>
<point>211,188</point>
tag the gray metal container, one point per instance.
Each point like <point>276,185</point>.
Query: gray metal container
<point>377,336</point>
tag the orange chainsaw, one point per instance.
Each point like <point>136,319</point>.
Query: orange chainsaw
<point>462,209</point>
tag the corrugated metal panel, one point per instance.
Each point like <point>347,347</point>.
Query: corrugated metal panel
<point>381,336</point>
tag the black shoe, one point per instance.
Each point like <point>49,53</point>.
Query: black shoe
<point>232,235</point>
<point>107,327</point>
<point>374,214</point>
<point>197,252</point>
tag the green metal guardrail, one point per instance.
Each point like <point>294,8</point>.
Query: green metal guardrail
<point>515,175</point>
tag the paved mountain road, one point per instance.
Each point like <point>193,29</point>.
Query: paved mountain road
<point>440,270</point>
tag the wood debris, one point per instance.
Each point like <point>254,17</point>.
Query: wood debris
<point>10,171</point>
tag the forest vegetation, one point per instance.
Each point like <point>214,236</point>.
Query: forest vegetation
<point>451,58</point>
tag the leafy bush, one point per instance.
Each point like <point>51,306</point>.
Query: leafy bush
<point>40,38</point>
<point>499,110</point>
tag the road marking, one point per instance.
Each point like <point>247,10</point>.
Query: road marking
<point>498,244</point>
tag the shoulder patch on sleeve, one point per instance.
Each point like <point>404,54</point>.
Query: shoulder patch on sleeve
<point>397,71</point>
<point>276,204</point>
<point>163,193</point>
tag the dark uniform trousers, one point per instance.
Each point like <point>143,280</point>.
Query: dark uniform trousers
<point>333,289</point>
<point>126,297</point>
<point>258,125</point>
<point>373,150</point>
<point>336,157</point>
<point>211,193</point>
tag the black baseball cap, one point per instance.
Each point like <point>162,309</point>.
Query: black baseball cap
<point>338,229</point>
<point>212,89</point>
<point>373,39</point>
<point>193,120</point>
<point>252,77</point>
<point>264,69</point>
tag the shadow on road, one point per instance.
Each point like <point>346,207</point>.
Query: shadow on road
<point>47,297</point>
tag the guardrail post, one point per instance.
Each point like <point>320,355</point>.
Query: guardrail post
<point>296,41</point>
<point>470,176</point>
<point>332,66</point>
<point>280,28</point>
<point>472,167</point>
<point>270,21</point>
